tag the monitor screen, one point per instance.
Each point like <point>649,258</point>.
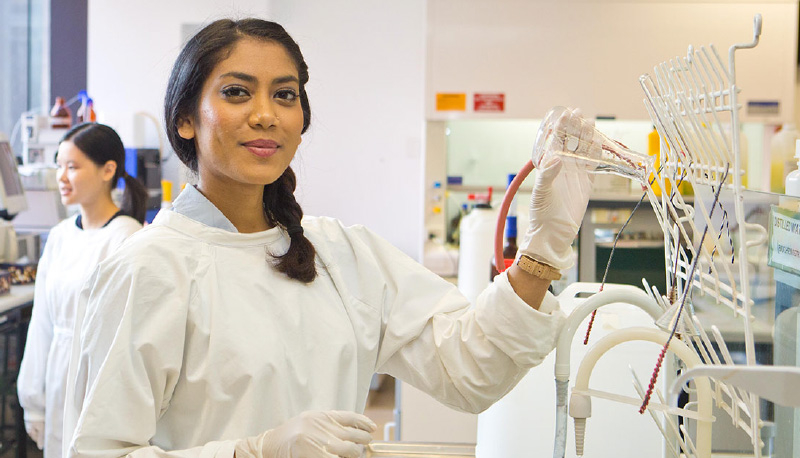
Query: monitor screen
<point>12,185</point>
<point>12,195</point>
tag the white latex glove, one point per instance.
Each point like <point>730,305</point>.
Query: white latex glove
<point>559,199</point>
<point>35,429</point>
<point>311,435</point>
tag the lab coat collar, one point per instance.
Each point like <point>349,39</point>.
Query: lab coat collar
<point>194,205</point>
<point>275,237</point>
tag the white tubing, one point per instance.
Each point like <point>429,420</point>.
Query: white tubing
<point>618,293</point>
<point>562,389</point>
<point>680,349</point>
<point>613,294</point>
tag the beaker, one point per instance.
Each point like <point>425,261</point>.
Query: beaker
<point>578,143</point>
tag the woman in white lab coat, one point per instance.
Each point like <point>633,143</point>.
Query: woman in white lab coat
<point>233,325</point>
<point>91,159</point>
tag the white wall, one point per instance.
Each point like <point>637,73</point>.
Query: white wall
<point>131,48</point>
<point>590,53</point>
<point>361,160</point>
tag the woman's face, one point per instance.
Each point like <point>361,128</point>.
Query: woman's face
<point>249,119</point>
<point>81,181</point>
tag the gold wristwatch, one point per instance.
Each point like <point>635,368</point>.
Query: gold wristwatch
<point>538,269</point>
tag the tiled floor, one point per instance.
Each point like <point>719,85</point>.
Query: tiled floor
<point>380,406</point>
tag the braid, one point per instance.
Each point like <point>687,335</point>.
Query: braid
<point>282,208</point>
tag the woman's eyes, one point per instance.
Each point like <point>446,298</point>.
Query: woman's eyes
<point>289,95</point>
<point>235,92</point>
<point>239,93</point>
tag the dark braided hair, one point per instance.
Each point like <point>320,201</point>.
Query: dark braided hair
<point>195,62</point>
<point>281,206</point>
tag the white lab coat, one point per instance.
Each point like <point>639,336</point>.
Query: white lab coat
<point>70,255</point>
<point>192,340</point>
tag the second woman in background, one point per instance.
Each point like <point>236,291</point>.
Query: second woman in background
<point>91,159</point>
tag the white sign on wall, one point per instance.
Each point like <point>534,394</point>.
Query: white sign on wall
<point>784,239</point>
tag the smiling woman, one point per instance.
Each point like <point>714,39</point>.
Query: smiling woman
<point>246,129</point>
<point>235,326</point>
<point>236,122</point>
<point>91,160</point>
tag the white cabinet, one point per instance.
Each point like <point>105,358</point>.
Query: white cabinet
<point>423,419</point>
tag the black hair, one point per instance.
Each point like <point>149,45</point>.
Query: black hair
<point>101,144</point>
<point>193,66</point>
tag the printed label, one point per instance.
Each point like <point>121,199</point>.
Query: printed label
<point>493,103</point>
<point>784,240</point>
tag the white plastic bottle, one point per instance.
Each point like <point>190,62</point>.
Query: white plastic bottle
<point>793,179</point>
<point>476,247</point>
<point>782,147</point>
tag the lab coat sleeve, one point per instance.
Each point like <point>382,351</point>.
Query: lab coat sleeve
<point>465,356</point>
<point>129,359</point>
<point>33,369</point>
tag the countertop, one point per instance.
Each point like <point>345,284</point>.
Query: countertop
<point>18,296</point>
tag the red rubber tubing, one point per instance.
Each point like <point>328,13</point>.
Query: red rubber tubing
<point>513,187</point>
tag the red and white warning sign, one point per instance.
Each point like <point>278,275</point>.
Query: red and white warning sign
<point>489,102</point>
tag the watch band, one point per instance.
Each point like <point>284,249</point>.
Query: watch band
<point>538,269</point>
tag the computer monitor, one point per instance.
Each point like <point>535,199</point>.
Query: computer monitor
<point>12,195</point>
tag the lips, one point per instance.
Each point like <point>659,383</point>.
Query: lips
<point>262,148</point>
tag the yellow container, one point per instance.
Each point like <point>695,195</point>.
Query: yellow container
<point>654,149</point>
<point>686,188</point>
<point>166,190</point>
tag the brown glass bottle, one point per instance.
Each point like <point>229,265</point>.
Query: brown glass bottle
<point>60,115</point>
<point>510,244</point>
